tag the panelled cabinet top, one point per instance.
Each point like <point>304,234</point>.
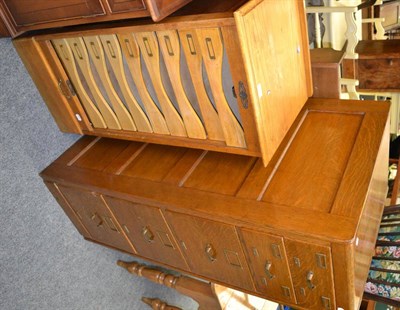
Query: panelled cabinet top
<point>223,77</point>
<point>319,180</point>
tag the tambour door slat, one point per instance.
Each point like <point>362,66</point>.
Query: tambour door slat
<point>170,48</point>
<point>131,52</point>
<point>114,55</point>
<point>96,53</point>
<point>149,50</point>
<point>212,50</point>
<point>241,87</point>
<point>82,58</point>
<point>65,54</point>
<point>194,60</point>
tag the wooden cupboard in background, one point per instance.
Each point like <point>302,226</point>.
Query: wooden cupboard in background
<point>25,15</point>
<point>300,231</point>
<point>197,80</point>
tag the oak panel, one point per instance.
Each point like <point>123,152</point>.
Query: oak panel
<point>100,154</point>
<point>222,165</point>
<point>211,249</point>
<point>311,269</point>
<point>147,230</point>
<point>269,265</point>
<point>96,217</point>
<point>154,162</point>
<point>299,169</point>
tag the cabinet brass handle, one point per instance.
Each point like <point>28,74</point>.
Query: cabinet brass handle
<point>310,276</point>
<point>147,234</point>
<point>210,252</point>
<point>99,219</point>
<point>267,269</point>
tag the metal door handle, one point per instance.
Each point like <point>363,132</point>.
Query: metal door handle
<point>99,222</point>
<point>147,234</point>
<point>310,276</point>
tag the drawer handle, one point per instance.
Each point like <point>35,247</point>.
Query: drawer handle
<point>310,276</point>
<point>267,269</point>
<point>210,252</point>
<point>97,219</point>
<point>147,234</point>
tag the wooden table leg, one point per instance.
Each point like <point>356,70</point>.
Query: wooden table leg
<point>200,291</point>
<point>157,304</point>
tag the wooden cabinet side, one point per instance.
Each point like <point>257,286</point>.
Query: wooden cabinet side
<point>48,84</point>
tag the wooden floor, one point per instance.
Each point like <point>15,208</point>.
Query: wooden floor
<point>235,300</point>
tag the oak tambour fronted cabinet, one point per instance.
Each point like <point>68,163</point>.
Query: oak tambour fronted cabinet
<point>299,231</point>
<point>220,75</point>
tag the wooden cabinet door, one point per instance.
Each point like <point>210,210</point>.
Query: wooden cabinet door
<point>28,12</point>
<point>148,232</point>
<point>290,80</point>
<point>311,270</point>
<point>96,218</point>
<point>119,6</point>
<point>269,265</point>
<point>212,249</point>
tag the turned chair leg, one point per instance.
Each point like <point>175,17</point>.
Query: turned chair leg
<point>199,291</point>
<point>157,304</point>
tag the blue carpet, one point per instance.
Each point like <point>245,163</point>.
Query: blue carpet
<point>44,262</point>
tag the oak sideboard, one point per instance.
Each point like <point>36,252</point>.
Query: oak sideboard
<point>300,231</point>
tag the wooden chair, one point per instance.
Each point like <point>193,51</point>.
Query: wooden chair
<point>383,283</point>
<point>209,296</point>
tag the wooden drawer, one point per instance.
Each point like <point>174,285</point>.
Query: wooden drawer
<point>379,74</point>
<point>311,270</point>
<point>269,265</point>
<point>207,82</point>
<point>212,249</point>
<point>378,65</point>
<point>96,218</point>
<point>30,12</point>
<point>147,230</point>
